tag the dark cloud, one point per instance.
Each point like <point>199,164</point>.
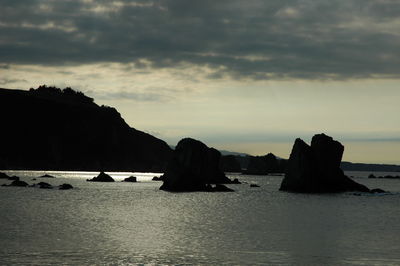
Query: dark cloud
<point>4,81</point>
<point>135,96</point>
<point>254,39</point>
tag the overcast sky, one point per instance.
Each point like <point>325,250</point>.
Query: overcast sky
<point>247,76</point>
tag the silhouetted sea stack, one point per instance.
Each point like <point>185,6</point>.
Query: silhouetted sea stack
<point>193,167</point>
<point>316,168</point>
<point>102,177</point>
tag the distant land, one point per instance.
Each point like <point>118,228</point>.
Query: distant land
<point>62,129</point>
<point>53,129</point>
<point>348,166</point>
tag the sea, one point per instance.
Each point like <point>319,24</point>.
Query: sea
<point>137,224</point>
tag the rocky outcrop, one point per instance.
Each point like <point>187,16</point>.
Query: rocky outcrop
<point>193,167</point>
<point>316,168</point>
<point>102,177</point>
<point>264,165</point>
<point>130,179</point>
<point>228,163</point>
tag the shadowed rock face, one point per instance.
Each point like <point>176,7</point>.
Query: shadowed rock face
<point>316,168</point>
<point>192,167</point>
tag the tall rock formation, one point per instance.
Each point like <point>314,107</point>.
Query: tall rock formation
<point>193,167</point>
<point>316,168</point>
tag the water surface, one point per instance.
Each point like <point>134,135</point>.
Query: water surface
<point>136,223</point>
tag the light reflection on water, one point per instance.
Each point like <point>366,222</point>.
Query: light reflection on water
<point>133,223</point>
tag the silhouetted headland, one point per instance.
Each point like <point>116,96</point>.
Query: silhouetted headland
<point>316,168</point>
<point>52,129</point>
<point>194,167</point>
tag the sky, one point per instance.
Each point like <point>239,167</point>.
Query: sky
<point>246,76</point>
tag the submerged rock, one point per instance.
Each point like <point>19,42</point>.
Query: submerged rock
<point>102,177</point>
<point>316,168</point>
<point>254,185</point>
<point>44,185</point>
<point>14,177</point>
<point>130,179</point>
<point>65,186</point>
<point>193,167</point>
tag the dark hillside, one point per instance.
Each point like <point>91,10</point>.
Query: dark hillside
<point>55,129</point>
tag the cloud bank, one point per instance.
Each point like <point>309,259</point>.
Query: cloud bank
<point>278,39</point>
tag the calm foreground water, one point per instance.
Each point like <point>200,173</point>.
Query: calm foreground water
<point>135,223</point>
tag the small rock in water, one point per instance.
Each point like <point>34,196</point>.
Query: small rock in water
<point>46,176</point>
<point>236,181</point>
<point>130,179</point>
<point>65,186</point>
<point>102,177</point>
<point>18,183</point>
<point>254,185</point>
<point>44,185</point>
